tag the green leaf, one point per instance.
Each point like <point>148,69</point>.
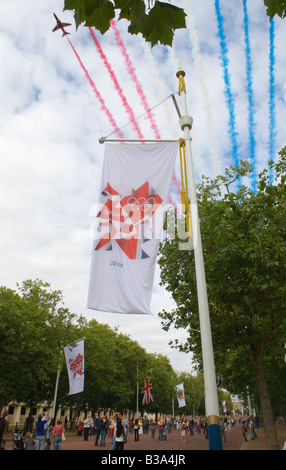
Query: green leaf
<point>97,13</point>
<point>275,7</point>
<point>160,24</point>
<point>130,9</point>
<point>100,18</point>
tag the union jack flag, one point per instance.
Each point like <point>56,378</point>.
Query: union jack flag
<point>147,392</point>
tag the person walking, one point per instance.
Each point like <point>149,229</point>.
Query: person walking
<point>145,423</point>
<point>160,430</point>
<point>103,430</point>
<point>86,428</point>
<point>119,434</point>
<point>3,426</point>
<point>96,423</point>
<point>152,428</point>
<point>29,423</point>
<point>244,429</point>
<point>184,430</point>
<point>136,430</point>
<point>222,428</point>
<point>29,442</point>
<point>253,434</point>
<point>49,434</point>
<point>58,435</point>
<point>79,428</point>
<point>40,430</point>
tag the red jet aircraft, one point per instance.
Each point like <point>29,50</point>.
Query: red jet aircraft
<point>61,26</point>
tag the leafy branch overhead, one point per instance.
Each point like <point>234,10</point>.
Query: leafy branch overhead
<point>157,22</point>
<point>275,7</point>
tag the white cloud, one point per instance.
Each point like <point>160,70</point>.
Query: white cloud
<point>51,121</point>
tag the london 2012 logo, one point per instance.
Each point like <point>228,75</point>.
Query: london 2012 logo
<point>76,365</point>
<point>128,220</point>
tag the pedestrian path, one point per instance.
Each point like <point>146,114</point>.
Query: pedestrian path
<point>260,442</point>
<point>173,442</point>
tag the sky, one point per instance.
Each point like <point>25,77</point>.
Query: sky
<point>52,118</point>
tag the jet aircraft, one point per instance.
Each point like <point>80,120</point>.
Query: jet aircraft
<point>61,26</point>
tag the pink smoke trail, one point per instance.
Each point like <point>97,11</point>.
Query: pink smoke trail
<point>132,73</point>
<point>98,95</point>
<point>128,109</point>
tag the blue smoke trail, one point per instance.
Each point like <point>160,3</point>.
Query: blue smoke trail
<point>272,112</point>
<point>251,107</point>
<point>228,93</point>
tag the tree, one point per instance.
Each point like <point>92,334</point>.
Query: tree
<point>29,346</point>
<point>275,7</point>
<point>194,394</point>
<point>157,22</point>
<point>161,373</point>
<point>35,326</point>
<point>243,235</point>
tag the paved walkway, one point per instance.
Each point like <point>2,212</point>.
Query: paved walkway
<point>174,442</point>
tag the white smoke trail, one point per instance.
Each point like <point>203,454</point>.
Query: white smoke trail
<point>198,63</point>
<point>199,163</point>
<point>169,113</point>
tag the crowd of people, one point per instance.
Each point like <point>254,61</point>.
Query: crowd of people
<point>46,434</point>
<point>103,430</point>
<point>37,437</point>
<point>115,429</point>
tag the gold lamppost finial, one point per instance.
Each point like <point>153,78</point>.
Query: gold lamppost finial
<point>180,74</point>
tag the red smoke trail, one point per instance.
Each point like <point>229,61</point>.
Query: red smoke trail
<point>132,73</point>
<point>98,95</point>
<point>128,109</point>
<point>139,89</point>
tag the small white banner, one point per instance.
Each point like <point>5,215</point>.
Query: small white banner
<point>75,366</point>
<point>180,395</point>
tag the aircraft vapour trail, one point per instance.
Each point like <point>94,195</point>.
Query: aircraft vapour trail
<point>251,106</point>
<point>132,74</point>
<point>200,164</point>
<point>98,95</point>
<point>226,75</point>
<point>163,95</point>
<point>139,89</point>
<point>118,88</point>
<point>101,100</point>
<point>272,113</point>
<point>160,85</point>
<point>197,59</point>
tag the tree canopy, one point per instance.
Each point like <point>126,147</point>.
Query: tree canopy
<point>244,234</point>
<point>35,326</point>
<point>157,21</point>
<point>275,7</point>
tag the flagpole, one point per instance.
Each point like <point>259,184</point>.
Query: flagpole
<point>137,399</point>
<point>56,387</point>
<point>211,396</point>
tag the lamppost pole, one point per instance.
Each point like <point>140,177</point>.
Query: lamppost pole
<point>211,396</point>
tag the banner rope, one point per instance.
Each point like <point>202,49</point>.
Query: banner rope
<point>184,192</point>
<point>141,115</point>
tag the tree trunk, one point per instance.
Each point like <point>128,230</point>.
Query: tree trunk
<point>266,409</point>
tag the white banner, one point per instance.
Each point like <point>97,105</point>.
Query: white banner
<point>135,187</point>
<point>180,395</point>
<point>75,365</point>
